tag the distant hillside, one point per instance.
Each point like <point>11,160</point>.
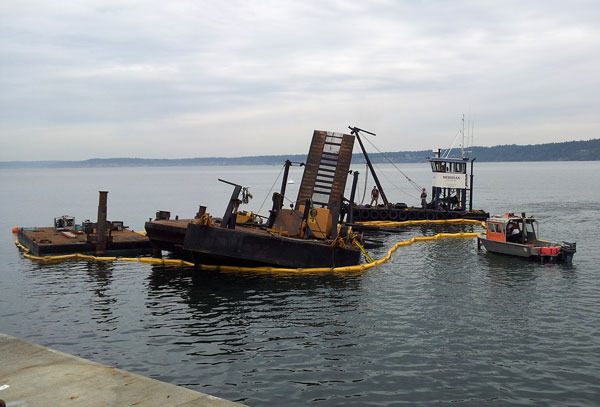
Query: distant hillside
<point>567,151</point>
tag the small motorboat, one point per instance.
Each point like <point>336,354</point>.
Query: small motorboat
<point>515,235</point>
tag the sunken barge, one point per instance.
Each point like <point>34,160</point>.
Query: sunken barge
<point>304,236</point>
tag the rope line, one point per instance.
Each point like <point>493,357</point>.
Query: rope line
<point>413,183</point>
<point>270,190</point>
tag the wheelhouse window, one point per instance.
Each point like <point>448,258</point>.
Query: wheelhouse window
<point>529,227</point>
<point>438,166</point>
<point>496,228</point>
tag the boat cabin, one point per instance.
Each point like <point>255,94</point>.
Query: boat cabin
<point>511,228</point>
<point>452,186</point>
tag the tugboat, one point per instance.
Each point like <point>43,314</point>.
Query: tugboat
<point>451,192</point>
<point>517,236</point>
<point>308,235</point>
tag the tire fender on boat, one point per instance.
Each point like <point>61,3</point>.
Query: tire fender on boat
<point>383,214</point>
<point>363,214</point>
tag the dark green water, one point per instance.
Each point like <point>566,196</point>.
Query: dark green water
<point>439,324</point>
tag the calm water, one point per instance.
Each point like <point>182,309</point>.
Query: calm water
<point>439,324</point>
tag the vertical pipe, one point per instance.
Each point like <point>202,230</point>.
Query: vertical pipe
<point>352,195</point>
<point>229,218</point>
<point>471,187</point>
<point>286,172</point>
<point>101,223</point>
<point>305,231</point>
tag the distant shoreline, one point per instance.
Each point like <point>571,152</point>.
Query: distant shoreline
<point>565,151</point>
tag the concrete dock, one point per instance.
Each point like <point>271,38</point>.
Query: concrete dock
<point>33,375</point>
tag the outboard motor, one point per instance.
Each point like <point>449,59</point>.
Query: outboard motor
<point>567,250</point>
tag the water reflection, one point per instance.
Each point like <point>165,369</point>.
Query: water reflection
<point>229,322</point>
<point>100,278</point>
<point>207,291</point>
<point>516,272</point>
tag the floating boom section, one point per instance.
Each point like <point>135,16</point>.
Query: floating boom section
<point>326,171</point>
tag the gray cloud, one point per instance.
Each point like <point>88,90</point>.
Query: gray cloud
<point>189,78</point>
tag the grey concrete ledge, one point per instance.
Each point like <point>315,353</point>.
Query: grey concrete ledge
<point>33,375</point>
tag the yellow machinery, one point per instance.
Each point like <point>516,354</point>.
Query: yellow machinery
<point>243,217</point>
<point>319,221</point>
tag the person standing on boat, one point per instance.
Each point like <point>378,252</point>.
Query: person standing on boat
<point>423,198</point>
<point>374,196</point>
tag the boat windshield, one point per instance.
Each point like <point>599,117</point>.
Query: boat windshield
<point>530,229</point>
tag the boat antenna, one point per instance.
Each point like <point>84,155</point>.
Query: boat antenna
<point>462,144</point>
<point>355,131</point>
<point>472,133</point>
<point>447,152</point>
<point>466,137</point>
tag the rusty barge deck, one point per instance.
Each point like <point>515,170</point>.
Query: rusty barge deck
<point>102,237</point>
<point>244,245</point>
<point>45,241</point>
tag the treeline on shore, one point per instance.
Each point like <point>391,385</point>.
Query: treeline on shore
<point>588,150</point>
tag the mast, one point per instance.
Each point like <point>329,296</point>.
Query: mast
<point>355,131</point>
<point>462,144</point>
<point>471,187</point>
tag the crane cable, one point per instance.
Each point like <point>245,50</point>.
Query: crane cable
<point>413,183</point>
<point>362,201</point>
<point>270,190</point>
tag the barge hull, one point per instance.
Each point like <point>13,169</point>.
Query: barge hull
<point>167,235</point>
<point>246,247</point>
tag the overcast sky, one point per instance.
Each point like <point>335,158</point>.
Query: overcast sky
<point>167,79</point>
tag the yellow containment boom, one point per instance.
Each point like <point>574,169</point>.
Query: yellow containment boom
<point>359,267</point>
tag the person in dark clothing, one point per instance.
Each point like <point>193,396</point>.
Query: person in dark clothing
<point>374,196</point>
<point>423,198</point>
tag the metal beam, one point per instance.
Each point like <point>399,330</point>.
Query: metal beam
<point>355,131</point>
